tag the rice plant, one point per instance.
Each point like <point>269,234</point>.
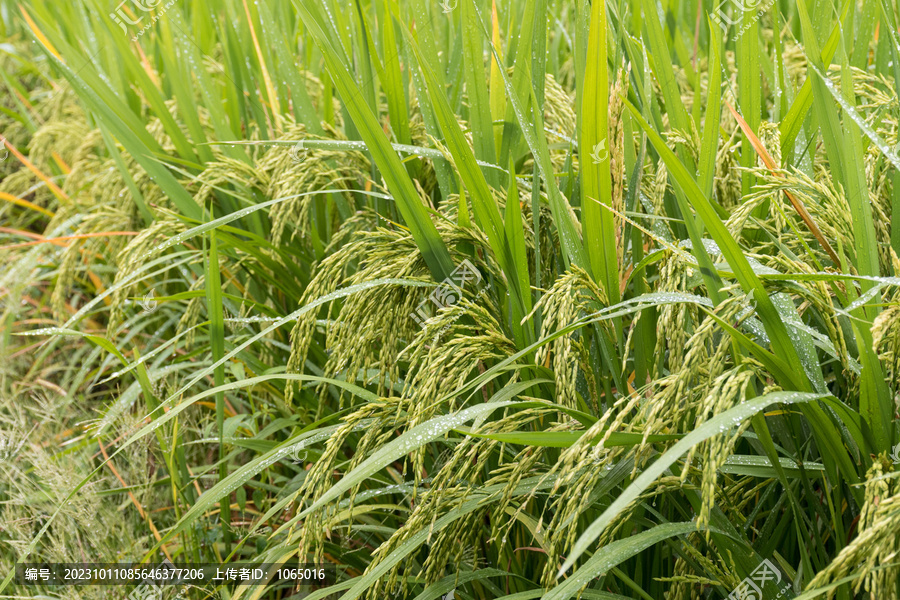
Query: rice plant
<point>463,299</point>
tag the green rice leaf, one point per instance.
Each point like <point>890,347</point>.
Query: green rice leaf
<point>714,426</point>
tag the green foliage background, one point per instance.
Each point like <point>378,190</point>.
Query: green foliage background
<point>676,354</point>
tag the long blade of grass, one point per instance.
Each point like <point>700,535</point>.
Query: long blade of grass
<point>515,236</point>
<point>124,126</point>
<point>217,343</point>
<point>615,553</point>
<point>710,428</point>
<point>597,224</point>
<point>497,93</point>
<point>710,142</point>
<point>432,247</point>
<point>749,93</point>
<point>843,143</point>
<point>487,214</point>
<point>782,344</point>
<point>532,127</point>
<point>660,63</point>
<point>793,121</point>
<point>740,265</point>
<point>416,540</point>
<point>276,454</point>
<point>773,168</point>
<point>477,87</point>
<point>403,445</point>
<point>392,80</point>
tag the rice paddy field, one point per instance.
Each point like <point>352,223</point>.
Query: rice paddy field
<point>470,299</point>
